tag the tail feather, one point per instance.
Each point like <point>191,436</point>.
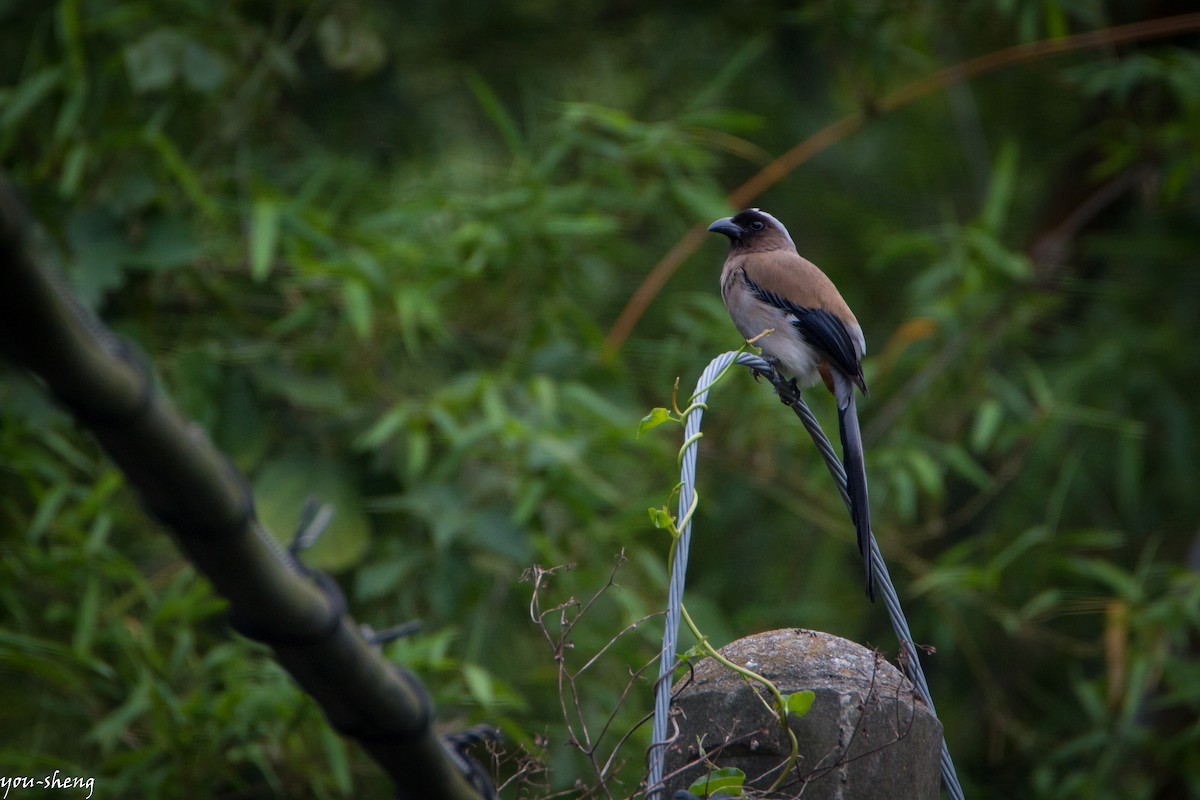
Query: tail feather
<point>856,484</point>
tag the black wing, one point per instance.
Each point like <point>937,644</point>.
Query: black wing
<point>820,328</point>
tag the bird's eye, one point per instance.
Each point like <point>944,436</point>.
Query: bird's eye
<point>757,225</point>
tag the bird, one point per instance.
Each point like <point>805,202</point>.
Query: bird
<point>811,333</point>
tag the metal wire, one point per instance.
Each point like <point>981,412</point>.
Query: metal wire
<point>687,496</point>
<point>910,662</point>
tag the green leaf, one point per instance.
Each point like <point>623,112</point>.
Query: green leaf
<point>416,454</point>
<point>85,619</point>
<point>652,420</point>
<point>70,113</point>
<point>904,490</point>
<point>495,111</point>
<point>419,314</point>
<point>994,253</point>
<point>479,684</point>
<point>357,300</point>
<point>987,422</point>
<point>1000,192</point>
<point>316,392</point>
<point>338,759</point>
<point>1042,603</point>
<point>800,702</point>
<point>702,200</point>
<point>377,579</point>
<point>189,180</point>
<point>383,429</point>
<point>109,730</point>
<point>732,70</point>
<point>49,507</point>
<point>1039,386</point>
<point>72,170</point>
<point>1122,583</point>
<point>926,471</point>
<point>152,62</point>
<point>72,32</point>
<point>264,237</point>
<point>661,518</point>
<point>28,94</point>
<point>730,780</point>
<point>961,462</point>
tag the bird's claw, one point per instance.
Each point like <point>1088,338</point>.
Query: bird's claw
<point>787,389</point>
<point>793,394</point>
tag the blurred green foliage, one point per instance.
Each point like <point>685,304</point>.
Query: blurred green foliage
<point>375,249</point>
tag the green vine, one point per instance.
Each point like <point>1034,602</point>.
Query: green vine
<point>782,705</point>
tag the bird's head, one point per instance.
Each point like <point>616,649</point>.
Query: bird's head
<point>754,230</point>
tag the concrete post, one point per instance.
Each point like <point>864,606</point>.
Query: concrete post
<point>868,736</point>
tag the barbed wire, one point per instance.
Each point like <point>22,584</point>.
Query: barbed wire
<point>910,661</point>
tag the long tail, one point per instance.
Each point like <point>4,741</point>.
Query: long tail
<point>856,483</point>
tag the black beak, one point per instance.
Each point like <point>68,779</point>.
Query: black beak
<point>725,225</point>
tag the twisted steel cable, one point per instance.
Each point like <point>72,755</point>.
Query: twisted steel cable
<point>910,663</point>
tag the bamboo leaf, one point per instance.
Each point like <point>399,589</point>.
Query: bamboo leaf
<point>264,237</point>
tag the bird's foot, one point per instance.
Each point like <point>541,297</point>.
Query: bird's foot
<point>788,391</point>
<point>787,388</point>
<point>791,395</point>
<point>771,372</point>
